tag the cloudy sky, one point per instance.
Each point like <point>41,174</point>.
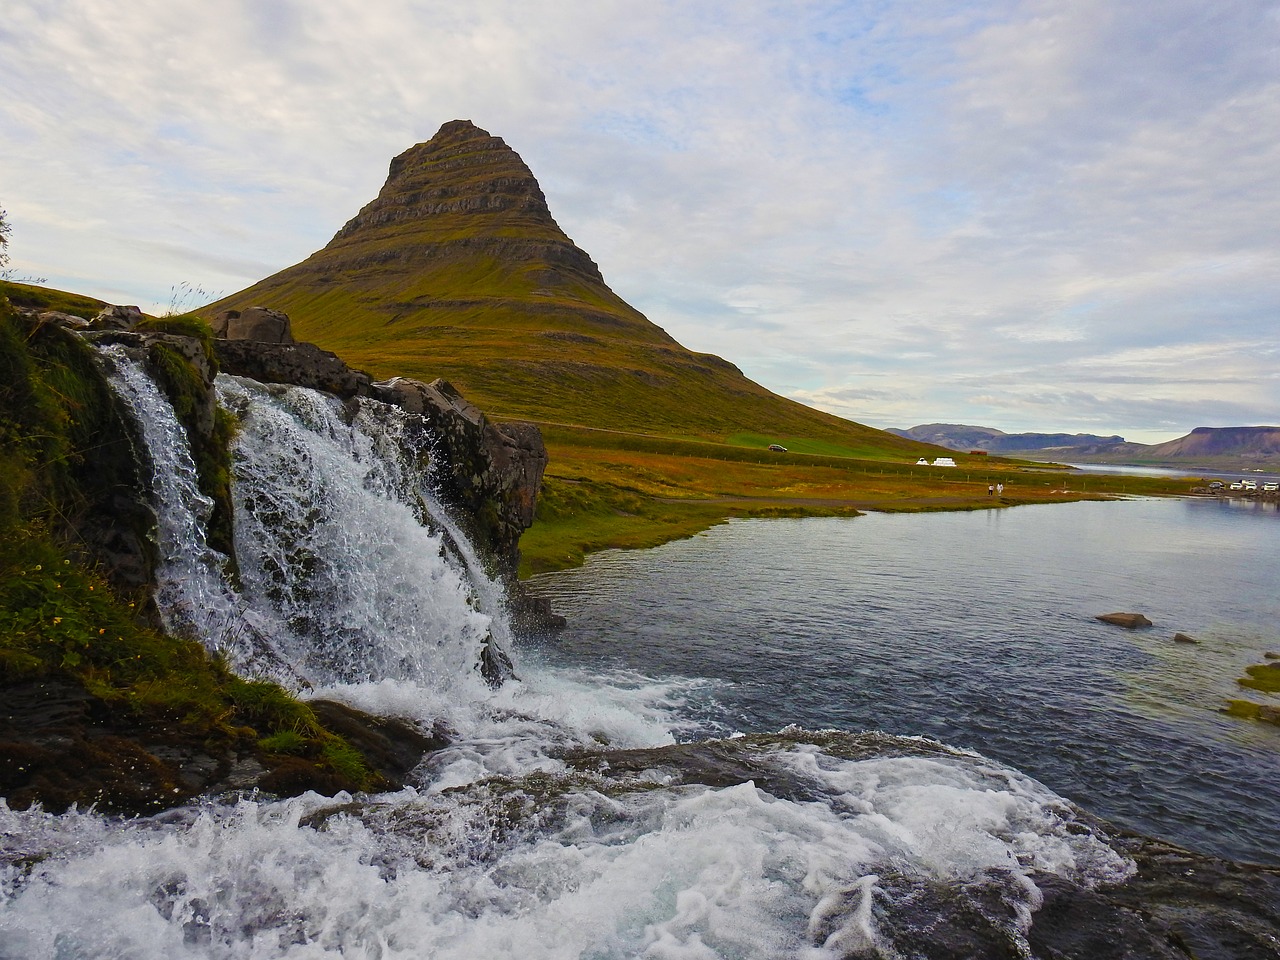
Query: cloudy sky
<point>1055,216</point>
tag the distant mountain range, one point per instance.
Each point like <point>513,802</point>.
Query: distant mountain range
<point>1213,446</point>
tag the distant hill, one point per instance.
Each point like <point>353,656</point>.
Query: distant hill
<point>1248,443</point>
<point>963,437</point>
<point>1212,446</point>
<point>458,270</point>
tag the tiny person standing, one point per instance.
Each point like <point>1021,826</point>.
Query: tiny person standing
<point>1000,489</point>
<point>990,488</point>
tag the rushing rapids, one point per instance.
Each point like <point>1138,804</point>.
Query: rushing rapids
<point>573,814</point>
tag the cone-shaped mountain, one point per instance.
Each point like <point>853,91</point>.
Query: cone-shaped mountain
<point>457,269</point>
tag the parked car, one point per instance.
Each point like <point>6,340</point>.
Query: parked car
<point>777,448</point>
<point>1271,486</point>
<point>1250,484</point>
<point>1237,485</point>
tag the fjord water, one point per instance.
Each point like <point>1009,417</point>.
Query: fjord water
<point>978,629</point>
<point>527,838</point>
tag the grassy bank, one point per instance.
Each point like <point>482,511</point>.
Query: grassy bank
<point>606,489</point>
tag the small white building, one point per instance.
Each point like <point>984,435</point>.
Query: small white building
<point>944,462</point>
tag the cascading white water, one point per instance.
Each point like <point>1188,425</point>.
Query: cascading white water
<point>332,546</point>
<point>192,592</point>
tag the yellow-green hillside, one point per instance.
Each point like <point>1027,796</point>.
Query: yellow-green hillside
<point>458,270</point>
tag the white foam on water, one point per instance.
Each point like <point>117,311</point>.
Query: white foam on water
<point>539,869</point>
<point>517,727</point>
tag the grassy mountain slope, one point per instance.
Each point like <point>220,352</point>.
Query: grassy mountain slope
<point>457,269</point>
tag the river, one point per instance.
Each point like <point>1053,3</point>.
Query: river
<point>978,629</point>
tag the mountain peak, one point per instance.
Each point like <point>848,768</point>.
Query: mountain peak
<point>468,182</point>
<point>458,270</point>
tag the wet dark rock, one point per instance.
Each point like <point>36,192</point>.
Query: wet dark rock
<point>495,665</point>
<point>299,364</point>
<point>61,745</point>
<point>392,746</point>
<point>1128,620</point>
<point>940,920</point>
<point>1178,904</point>
<point>1183,638</point>
<point>491,473</point>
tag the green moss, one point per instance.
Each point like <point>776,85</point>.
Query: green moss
<point>46,298</point>
<point>1248,710</point>
<point>183,325</point>
<point>346,761</point>
<point>284,741</point>
<point>191,397</point>
<point>267,706</point>
<point>1262,676</point>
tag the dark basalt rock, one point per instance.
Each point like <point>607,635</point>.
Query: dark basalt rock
<point>1178,904</point>
<point>60,745</point>
<point>492,473</point>
<point>392,746</point>
<point>299,364</point>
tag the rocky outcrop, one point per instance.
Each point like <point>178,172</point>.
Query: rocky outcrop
<point>299,364</point>
<point>61,745</point>
<point>255,323</point>
<point>116,318</point>
<point>484,464</point>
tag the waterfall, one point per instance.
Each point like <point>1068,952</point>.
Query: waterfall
<point>192,592</point>
<point>344,571</point>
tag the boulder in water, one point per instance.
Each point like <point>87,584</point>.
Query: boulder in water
<point>1129,620</point>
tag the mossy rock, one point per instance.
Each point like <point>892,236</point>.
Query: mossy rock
<point>1263,676</point>
<point>1249,710</point>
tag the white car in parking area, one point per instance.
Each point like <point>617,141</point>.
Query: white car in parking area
<point>1271,486</point>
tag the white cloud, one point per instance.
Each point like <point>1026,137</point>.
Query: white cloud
<point>869,207</point>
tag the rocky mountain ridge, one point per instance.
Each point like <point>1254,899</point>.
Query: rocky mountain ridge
<point>1215,446</point>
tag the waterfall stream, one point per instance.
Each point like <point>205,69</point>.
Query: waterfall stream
<point>578,813</point>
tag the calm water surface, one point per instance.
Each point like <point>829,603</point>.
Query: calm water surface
<point>978,629</point>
